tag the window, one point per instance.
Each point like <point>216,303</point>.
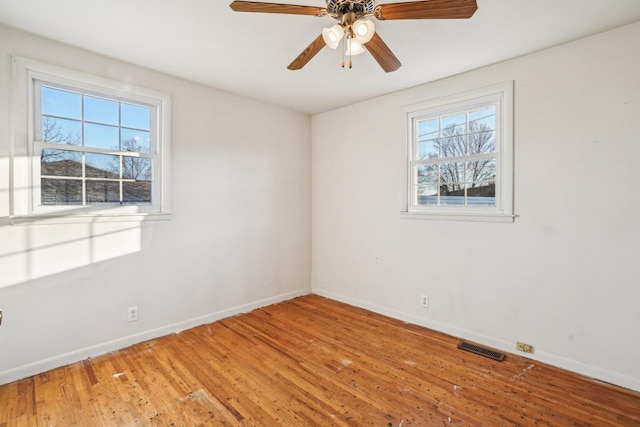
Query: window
<point>460,156</point>
<point>93,146</point>
<point>93,150</point>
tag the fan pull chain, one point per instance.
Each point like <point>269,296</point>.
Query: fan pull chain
<point>344,51</point>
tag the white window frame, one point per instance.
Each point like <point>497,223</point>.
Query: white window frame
<point>26,206</point>
<point>500,95</point>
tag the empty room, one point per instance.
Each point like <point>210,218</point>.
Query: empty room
<point>317,213</point>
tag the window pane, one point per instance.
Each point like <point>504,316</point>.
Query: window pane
<point>136,192</point>
<point>135,140</point>
<point>452,174</point>
<point>427,194</point>
<point>482,119</point>
<point>482,142</point>
<point>101,136</point>
<point>426,174</point>
<point>428,149</point>
<point>60,192</point>
<point>61,131</point>
<point>481,170</point>
<point>61,103</point>
<point>103,192</point>
<point>134,116</point>
<point>451,192</point>
<point>102,166</point>
<point>455,124</point>
<point>428,129</point>
<point>100,110</point>
<point>481,193</point>
<point>60,163</point>
<point>453,146</point>
<point>136,168</point>
<point>426,179</point>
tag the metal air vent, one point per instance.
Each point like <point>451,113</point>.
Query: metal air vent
<point>481,351</point>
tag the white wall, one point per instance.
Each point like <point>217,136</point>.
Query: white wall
<point>239,236</point>
<point>564,276</point>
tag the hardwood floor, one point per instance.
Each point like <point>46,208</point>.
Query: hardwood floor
<point>311,361</point>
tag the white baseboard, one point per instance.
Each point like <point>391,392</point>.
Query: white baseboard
<point>600,374</point>
<point>120,343</point>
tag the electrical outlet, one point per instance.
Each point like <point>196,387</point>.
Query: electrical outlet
<point>424,300</point>
<point>133,314</point>
<point>526,348</point>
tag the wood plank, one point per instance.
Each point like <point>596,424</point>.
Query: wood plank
<point>311,361</point>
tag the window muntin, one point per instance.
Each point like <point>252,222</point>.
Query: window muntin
<point>461,154</point>
<point>94,149</point>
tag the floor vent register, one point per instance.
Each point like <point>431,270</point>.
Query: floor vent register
<point>481,351</point>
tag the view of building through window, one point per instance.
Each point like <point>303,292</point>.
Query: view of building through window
<point>93,149</point>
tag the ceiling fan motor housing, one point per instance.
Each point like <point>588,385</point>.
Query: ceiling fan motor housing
<point>359,7</point>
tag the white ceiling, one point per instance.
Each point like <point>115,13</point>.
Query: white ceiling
<point>247,53</point>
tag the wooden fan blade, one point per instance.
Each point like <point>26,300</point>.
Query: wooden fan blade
<point>306,55</point>
<point>254,6</point>
<point>429,9</point>
<point>382,54</point>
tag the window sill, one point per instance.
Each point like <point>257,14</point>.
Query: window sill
<point>459,216</point>
<point>86,218</point>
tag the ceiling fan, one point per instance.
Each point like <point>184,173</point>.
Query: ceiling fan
<point>354,30</point>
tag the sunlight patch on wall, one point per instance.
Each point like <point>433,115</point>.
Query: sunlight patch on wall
<point>32,252</point>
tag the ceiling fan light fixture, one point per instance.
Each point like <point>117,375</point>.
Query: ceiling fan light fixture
<point>333,35</point>
<point>354,47</point>
<point>363,30</point>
